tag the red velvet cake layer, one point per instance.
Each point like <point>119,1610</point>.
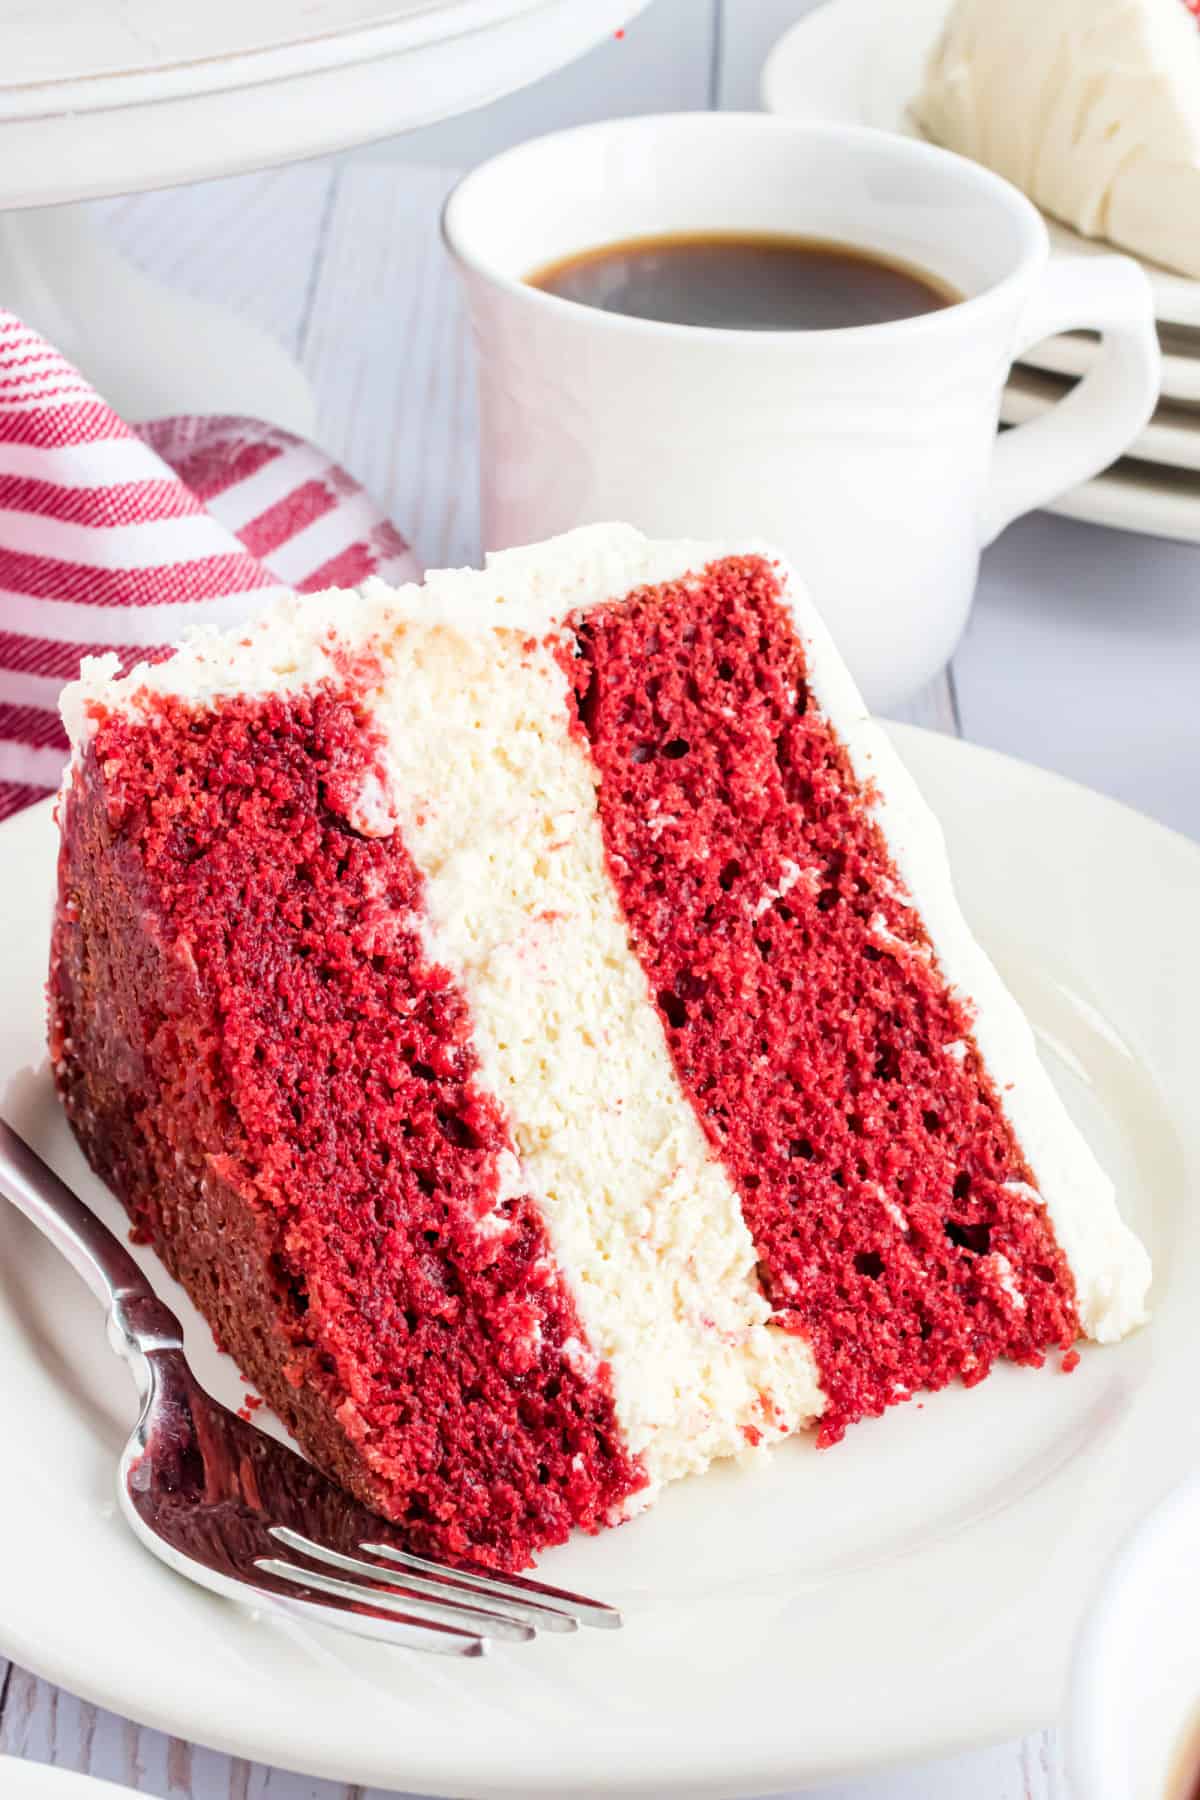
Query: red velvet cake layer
<point>255,1052</point>
<point>809,1023</point>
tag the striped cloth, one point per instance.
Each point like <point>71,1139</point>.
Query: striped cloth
<point>119,539</point>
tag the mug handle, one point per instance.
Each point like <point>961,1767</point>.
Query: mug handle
<point>1102,415</point>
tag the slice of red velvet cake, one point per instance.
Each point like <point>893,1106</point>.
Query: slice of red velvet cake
<point>531,1016</point>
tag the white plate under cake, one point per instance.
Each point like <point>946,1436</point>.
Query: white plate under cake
<point>962,1532</point>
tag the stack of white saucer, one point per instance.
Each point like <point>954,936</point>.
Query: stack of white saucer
<point>1156,488</point>
<point>860,61</point>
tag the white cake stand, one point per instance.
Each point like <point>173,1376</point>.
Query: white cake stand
<point>106,97</point>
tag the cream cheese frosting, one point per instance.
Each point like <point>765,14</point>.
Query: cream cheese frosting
<point>1092,107</point>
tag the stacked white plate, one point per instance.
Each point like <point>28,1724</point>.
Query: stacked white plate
<point>860,61</point>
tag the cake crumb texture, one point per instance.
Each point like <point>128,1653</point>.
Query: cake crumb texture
<point>256,1053</point>
<point>495,795</point>
<point>897,1224</point>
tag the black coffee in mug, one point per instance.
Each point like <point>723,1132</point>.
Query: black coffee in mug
<point>745,281</point>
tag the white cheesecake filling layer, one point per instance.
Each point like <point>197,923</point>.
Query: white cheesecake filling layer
<point>495,799</point>
<point>1092,107</point>
<point>305,640</point>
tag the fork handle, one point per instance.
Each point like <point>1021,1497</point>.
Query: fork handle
<point>138,1321</point>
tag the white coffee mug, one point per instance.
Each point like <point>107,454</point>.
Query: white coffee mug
<point>1132,1724</point>
<point>868,455</point>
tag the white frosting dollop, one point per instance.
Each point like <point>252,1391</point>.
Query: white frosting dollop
<point>1092,107</point>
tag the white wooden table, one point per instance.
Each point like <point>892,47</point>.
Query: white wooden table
<point>1083,653</point>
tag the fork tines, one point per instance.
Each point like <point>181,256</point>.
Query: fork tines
<point>469,1605</point>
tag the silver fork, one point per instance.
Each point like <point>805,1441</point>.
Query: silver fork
<point>231,1508</point>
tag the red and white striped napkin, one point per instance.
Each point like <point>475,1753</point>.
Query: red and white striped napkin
<point>119,539</point>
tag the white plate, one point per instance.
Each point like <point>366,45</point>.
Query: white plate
<point>1074,352</point>
<point>1138,496</point>
<point>861,61</point>
<point>1171,439</point>
<point>21,1780</point>
<point>912,1592</point>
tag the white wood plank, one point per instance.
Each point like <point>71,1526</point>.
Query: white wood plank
<point>44,1724</point>
<point>664,63</point>
<point>249,243</point>
<point>1083,655</point>
<point>390,359</point>
<point>748,29</point>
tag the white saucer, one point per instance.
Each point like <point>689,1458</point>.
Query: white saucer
<point>862,60</point>
<point>1171,439</point>
<point>1074,352</point>
<point>908,1594</point>
<point>1138,496</point>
